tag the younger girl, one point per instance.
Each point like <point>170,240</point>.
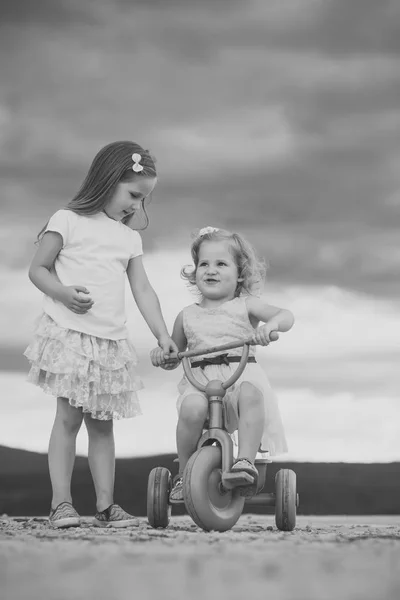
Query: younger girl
<point>227,273</point>
<point>81,352</point>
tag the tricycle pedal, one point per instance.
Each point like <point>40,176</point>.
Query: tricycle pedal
<point>237,479</point>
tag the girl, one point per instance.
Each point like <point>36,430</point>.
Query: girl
<point>227,273</point>
<point>81,353</point>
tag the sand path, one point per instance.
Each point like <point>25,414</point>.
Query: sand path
<point>338,558</point>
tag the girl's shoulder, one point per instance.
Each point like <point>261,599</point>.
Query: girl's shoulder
<point>254,302</point>
<point>62,221</point>
<point>133,241</point>
<point>63,216</point>
<point>64,213</point>
<point>190,308</point>
<point>192,313</point>
<point>131,233</point>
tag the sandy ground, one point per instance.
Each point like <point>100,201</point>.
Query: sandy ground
<point>338,558</point>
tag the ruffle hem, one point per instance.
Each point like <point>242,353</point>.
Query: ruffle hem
<point>95,374</point>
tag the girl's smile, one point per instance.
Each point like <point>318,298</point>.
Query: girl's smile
<point>216,272</point>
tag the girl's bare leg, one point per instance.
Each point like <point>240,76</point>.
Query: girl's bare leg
<point>101,459</point>
<point>192,416</point>
<point>62,446</point>
<point>251,420</point>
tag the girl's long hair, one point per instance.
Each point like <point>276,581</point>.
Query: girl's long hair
<point>111,166</point>
<point>250,267</point>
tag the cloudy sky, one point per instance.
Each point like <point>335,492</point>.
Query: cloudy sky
<point>279,119</point>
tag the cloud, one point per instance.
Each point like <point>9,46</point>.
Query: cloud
<point>339,427</point>
<point>342,342</point>
<point>54,13</point>
<point>330,427</point>
<point>29,414</point>
<point>327,26</point>
<point>335,373</point>
<point>341,27</point>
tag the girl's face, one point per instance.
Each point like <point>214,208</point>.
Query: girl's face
<point>217,272</point>
<point>128,197</point>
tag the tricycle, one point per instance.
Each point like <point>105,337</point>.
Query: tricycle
<point>213,495</point>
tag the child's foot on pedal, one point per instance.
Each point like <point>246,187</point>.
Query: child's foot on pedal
<point>244,464</point>
<point>114,516</point>
<point>64,515</point>
<point>176,494</point>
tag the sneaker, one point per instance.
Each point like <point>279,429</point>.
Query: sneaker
<point>114,516</point>
<point>244,464</point>
<point>176,494</point>
<point>64,515</point>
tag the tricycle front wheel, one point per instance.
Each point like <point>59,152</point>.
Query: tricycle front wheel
<point>210,506</point>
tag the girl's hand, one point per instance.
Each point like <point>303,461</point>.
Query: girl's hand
<point>167,345</point>
<point>157,357</point>
<point>265,334</point>
<point>71,296</point>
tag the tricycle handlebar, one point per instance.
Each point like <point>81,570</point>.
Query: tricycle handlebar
<point>190,353</point>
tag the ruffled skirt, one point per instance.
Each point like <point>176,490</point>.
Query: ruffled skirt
<point>95,374</point>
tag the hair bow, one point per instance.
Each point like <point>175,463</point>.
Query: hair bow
<point>207,230</point>
<point>137,167</point>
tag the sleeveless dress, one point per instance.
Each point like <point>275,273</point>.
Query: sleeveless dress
<point>229,322</point>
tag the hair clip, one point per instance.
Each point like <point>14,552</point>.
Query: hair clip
<point>136,160</point>
<point>207,230</point>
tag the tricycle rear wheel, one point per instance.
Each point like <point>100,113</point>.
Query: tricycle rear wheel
<point>158,490</point>
<point>285,499</point>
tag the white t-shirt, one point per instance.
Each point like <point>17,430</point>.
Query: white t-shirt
<point>95,254</point>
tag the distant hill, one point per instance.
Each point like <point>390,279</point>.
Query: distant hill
<point>324,488</point>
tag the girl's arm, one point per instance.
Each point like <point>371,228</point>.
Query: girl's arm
<point>43,262</point>
<point>179,337</point>
<point>178,333</point>
<point>43,276</point>
<point>149,305</point>
<point>275,319</point>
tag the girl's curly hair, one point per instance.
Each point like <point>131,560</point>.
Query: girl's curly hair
<point>250,267</point>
